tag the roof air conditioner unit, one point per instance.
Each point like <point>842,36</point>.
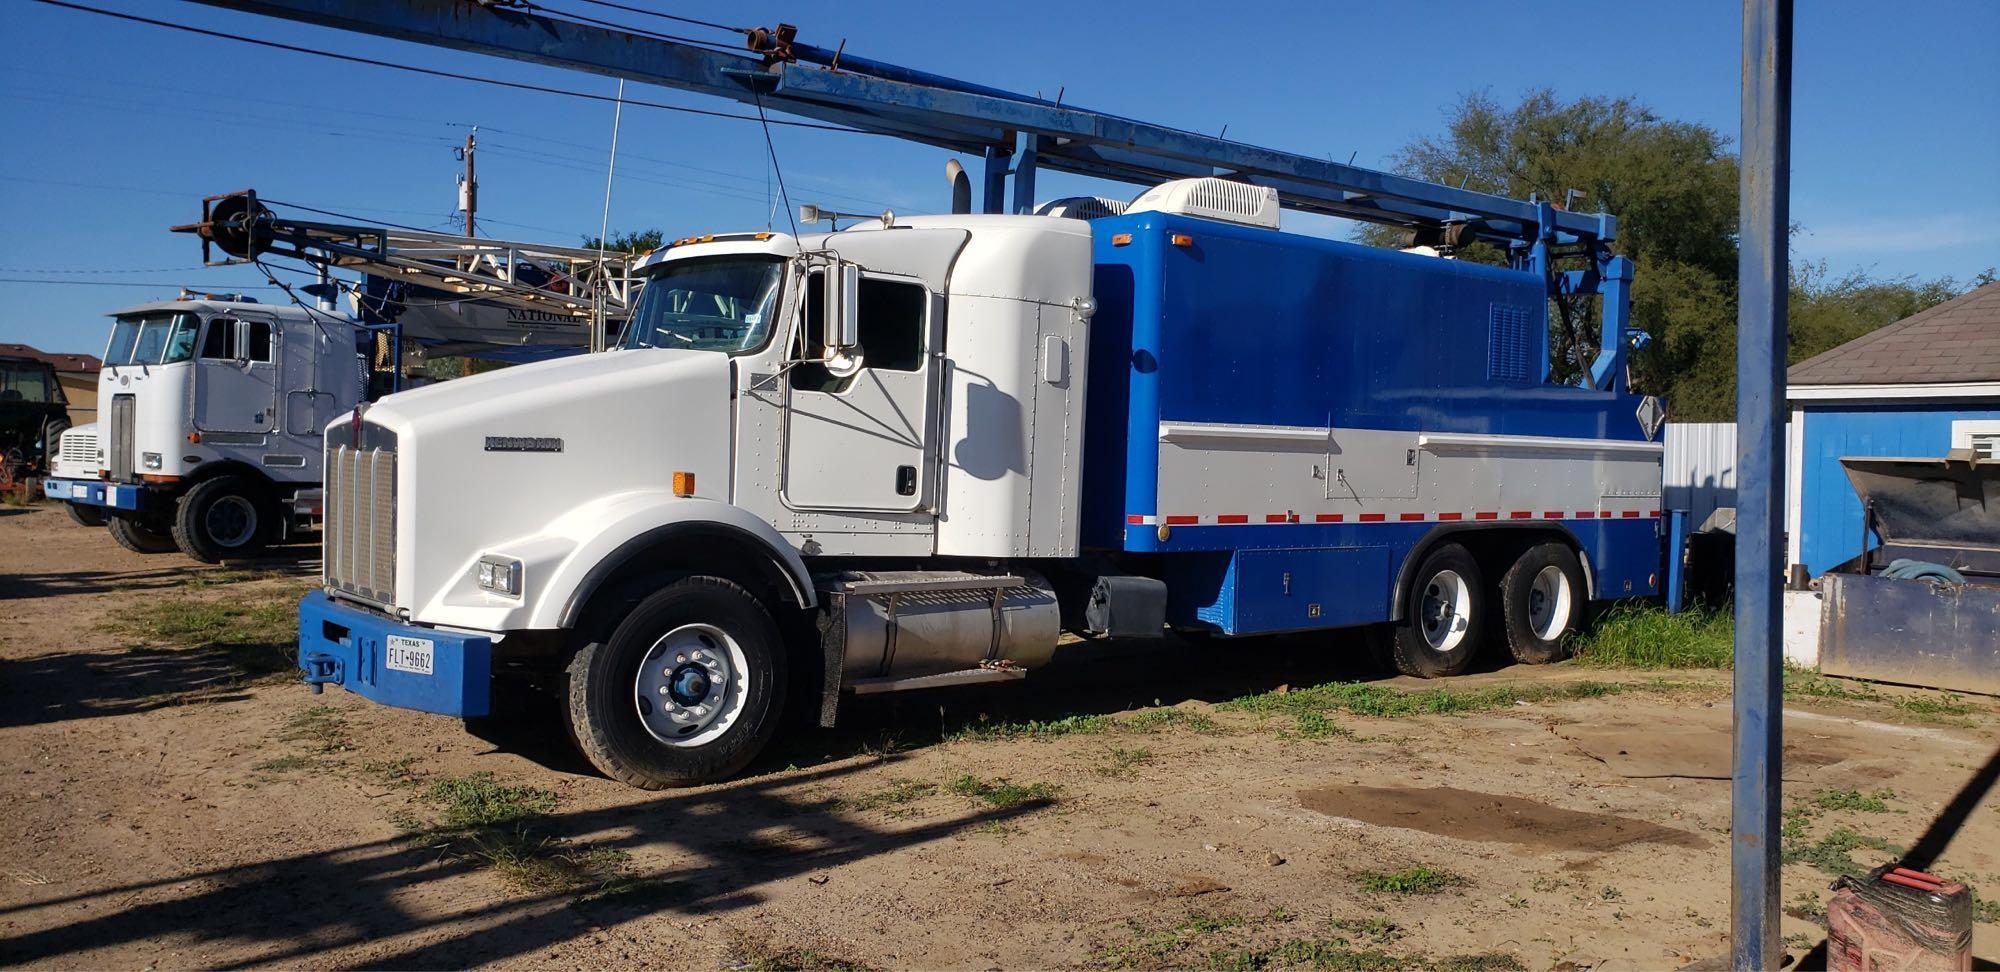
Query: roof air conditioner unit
<point>1081,207</point>
<point>1211,198</point>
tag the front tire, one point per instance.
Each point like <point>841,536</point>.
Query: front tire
<point>222,517</point>
<point>1541,602</point>
<point>1444,613</point>
<point>687,689</point>
<point>139,536</point>
<point>83,514</point>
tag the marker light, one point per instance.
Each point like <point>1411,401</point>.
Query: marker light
<point>500,575</point>
<point>1181,239</point>
<point>683,484</point>
<point>1121,239</point>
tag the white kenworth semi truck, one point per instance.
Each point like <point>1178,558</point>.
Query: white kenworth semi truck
<point>212,437</point>
<point>912,453</point>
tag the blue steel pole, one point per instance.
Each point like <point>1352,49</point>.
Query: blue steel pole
<point>1760,491</point>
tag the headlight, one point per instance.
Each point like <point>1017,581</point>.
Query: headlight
<point>500,575</point>
<point>151,459</point>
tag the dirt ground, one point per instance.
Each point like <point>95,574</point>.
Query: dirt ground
<point>170,806</point>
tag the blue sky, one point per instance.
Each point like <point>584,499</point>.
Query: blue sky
<point>115,130</point>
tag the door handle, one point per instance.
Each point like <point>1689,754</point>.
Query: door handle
<point>906,480</point>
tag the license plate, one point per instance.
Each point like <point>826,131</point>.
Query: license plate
<point>79,491</point>
<point>411,655</point>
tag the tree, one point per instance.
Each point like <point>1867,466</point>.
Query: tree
<point>1673,186</point>
<point>639,242</point>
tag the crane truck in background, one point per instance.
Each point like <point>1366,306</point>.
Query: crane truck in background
<point>911,453</point>
<point>216,405</point>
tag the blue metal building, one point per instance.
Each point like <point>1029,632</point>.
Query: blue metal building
<point>1919,387</point>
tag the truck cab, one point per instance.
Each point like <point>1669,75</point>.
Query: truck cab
<point>213,415</point>
<point>910,454</point>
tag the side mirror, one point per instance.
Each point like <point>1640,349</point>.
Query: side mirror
<point>843,299</point>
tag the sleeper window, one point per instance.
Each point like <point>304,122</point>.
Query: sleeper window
<point>890,328</point>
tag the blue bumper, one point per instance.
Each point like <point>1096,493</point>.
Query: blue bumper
<point>403,665</point>
<point>94,492</point>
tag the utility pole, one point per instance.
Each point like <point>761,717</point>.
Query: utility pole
<point>1761,329</point>
<point>468,184</point>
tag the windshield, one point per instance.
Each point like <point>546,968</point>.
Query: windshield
<point>152,339</point>
<point>27,383</point>
<point>713,304</point>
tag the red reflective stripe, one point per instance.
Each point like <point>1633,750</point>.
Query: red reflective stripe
<point>1521,515</point>
<point>1406,517</point>
<point>1373,517</point>
<point>1134,518</point>
<point>1586,514</point>
<point>1277,518</point>
<point>1326,517</point>
<point>1181,520</point>
<point>1555,515</point>
<point>1654,513</point>
<point>1485,515</point>
<point>1451,516</point>
<point>1631,514</point>
<point>1232,518</point>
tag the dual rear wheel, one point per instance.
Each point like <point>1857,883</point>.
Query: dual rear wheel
<point>1449,610</point>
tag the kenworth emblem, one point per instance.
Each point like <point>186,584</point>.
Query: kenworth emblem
<point>522,443</point>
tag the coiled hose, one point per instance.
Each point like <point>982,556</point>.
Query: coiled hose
<point>1903,568</point>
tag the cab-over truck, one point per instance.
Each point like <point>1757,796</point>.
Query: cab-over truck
<point>912,453</point>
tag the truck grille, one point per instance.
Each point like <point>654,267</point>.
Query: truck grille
<point>360,530</point>
<point>79,447</point>
<point>120,459</point>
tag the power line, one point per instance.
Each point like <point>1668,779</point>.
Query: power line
<point>99,270</point>
<point>128,283</point>
<point>433,72</point>
<point>665,16</point>
<point>640,31</point>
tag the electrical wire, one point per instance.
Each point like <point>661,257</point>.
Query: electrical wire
<point>123,283</point>
<point>666,16</point>
<point>433,72</point>
<point>640,31</point>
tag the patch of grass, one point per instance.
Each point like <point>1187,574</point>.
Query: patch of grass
<point>541,863</point>
<point>321,728</point>
<point>1368,699</point>
<point>469,802</point>
<point>1628,637</point>
<point>1480,962</point>
<point>1799,941</point>
<point>401,772</point>
<point>1805,906</point>
<point>1830,853</point>
<point>1985,910</point>
<point>898,792</point>
<point>1941,704</point>
<point>1854,800</point>
<point>1315,725</point>
<point>1120,761</point>
<point>755,954</point>
<point>1374,928</point>
<point>1409,881</point>
<point>284,764</point>
<point>1151,720</point>
<point>203,580</point>
<point>1002,794</point>
<point>1334,954</point>
<point>257,630</point>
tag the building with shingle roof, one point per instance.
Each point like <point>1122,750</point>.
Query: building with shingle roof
<point>1922,386</point>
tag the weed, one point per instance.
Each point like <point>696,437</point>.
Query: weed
<point>1651,638</point>
<point>1984,910</point>
<point>1806,683</point>
<point>1001,794</point>
<point>754,954</point>
<point>393,772</point>
<point>1799,941</point>
<point>257,631</point>
<point>284,764</point>
<point>1805,906</point>
<point>1546,884</point>
<point>1120,761</point>
<point>1151,720</point>
<point>999,828</point>
<point>321,728</point>
<point>1155,720</point>
<point>1333,954</point>
<point>1365,699</point>
<point>1479,962</point>
<point>1375,929</point>
<point>1514,900</point>
<point>1942,704</point>
<point>1315,725</point>
<point>468,802</point>
<point>540,863</point>
<point>898,792</point>
<point>1831,853</point>
<point>1610,893</point>
<point>1409,881</point>
<point>203,580</point>
<point>1875,802</point>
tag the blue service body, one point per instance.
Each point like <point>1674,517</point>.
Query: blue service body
<point>347,645</point>
<point>1252,326</point>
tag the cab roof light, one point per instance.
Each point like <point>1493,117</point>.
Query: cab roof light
<point>683,483</point>
<point>1181,239</point>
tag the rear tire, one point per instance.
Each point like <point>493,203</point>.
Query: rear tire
<point>687,689</point>
<point>1541,602</point>
<point>139,536</point>
<point>1444,614</point>
<point>227,516</point>
<point>83,514</point>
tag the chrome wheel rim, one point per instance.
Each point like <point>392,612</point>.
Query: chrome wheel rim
<point>691,685</point>
<point>1445,615</point>
<point>230,521</point>
<point>1549,602</point>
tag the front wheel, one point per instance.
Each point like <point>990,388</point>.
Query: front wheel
<point>222,517</point>
<point>1541,601</point>
<point>83,514</point>
<point>687,689</point>
<point>140,536</point>
<point>1444,613</point>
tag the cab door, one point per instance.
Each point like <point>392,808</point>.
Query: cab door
<point>237,375</point>
<point>866,441</point>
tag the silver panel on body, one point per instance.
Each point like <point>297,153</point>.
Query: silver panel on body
<point>123,409</point>
<point>906,624</point>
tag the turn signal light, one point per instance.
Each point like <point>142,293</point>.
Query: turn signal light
<point>683,484</point>
<point>194,437</point>
<point>1121,239</point>
<point>1181,239</point>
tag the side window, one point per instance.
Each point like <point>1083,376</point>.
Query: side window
<point>890,329</point>
<point>219,342</point>
<point>257,341</point>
